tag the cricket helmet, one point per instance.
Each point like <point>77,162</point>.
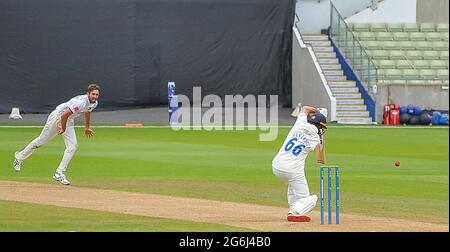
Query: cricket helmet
<point>319,120</point>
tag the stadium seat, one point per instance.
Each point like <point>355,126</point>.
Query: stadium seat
<point>428,73</point>
<point>440,45</point>
<point>423,45</point>
<point>443,55</point>
<point>366,36</point>
<point>421,64</point>
<point>442,28</point>
<point>442,74</point>
<point>409,53</point>
<point>357,34</point>
<point>391,45</point>
<point>427,27</point>
<point>401,36</point>
<point>371,45</point>
<point>378,27</point>
<point>414,55</point>
<point>379,54</point>
<point>385,36</point>
<point>377,63</point>
<point>410,74</point>
<point>434,36</point>
<point>344,43</point>
<point>407,45</point>
<point>386,64</point>
<point>431,55</point>
<point>403,64</point>
<point>417,36</point>
<point>361,27</point>
<point>381,73</point>
<point>394,27</point>
<point>411,27</point>
<point>396,55</point>
<point>393,74</point>
<point>438,64</point>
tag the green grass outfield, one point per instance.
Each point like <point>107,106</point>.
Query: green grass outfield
<point>235,166</point>
<point>23,217</point>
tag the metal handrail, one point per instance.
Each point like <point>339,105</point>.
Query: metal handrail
<point>354,37</point>
<point>368,6</point>
<point>306,43</point>
<point>300,33</point>
<point>361,48</point>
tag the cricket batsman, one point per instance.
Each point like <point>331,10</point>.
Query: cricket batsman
<point>289,164</point>
<point>61,122</point>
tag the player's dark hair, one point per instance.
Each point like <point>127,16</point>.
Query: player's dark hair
<point>93,87</point>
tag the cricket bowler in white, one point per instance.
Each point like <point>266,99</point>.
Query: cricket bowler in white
<point>289,164</point>
<point>61,122</point>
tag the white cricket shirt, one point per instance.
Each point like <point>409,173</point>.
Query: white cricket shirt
<point>302,138</point>
<point>78,105</point>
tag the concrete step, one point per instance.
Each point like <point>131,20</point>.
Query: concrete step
<point>347,95</point>
<point>326,54</point>
<point>351,107</point>
<point>316,43</point>
<point>344,90</point>
<point>323,49</point>
<point>351,101</point>
<point>314,37</point>
<point>346,83</point>
<point>328,60</point>
<point>344,113</point>
<point>335,77</point>
<point>331,66</point>
<point>333,72</point>
<point>354,120</point>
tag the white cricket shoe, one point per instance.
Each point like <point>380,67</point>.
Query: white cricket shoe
<point>61,178</point>
<point>17,164</point>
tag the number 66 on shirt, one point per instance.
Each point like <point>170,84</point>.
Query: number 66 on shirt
<point>295,150</point>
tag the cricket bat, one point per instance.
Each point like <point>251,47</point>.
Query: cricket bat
<point>320,151</point>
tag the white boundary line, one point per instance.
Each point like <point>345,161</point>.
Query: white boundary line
<point>230,127</point>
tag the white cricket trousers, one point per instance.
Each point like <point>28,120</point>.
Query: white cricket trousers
<point>299,199</point>
<point>49,131</point>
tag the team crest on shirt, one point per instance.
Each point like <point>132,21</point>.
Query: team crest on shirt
<point>76,109</point>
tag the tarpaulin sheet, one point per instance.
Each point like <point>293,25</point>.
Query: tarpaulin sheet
<point>50,50</point>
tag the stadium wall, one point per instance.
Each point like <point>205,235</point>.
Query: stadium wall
<point>433,11</point>
<point>425,96</point>
<point>315,15</point>
<point>388,11</point>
